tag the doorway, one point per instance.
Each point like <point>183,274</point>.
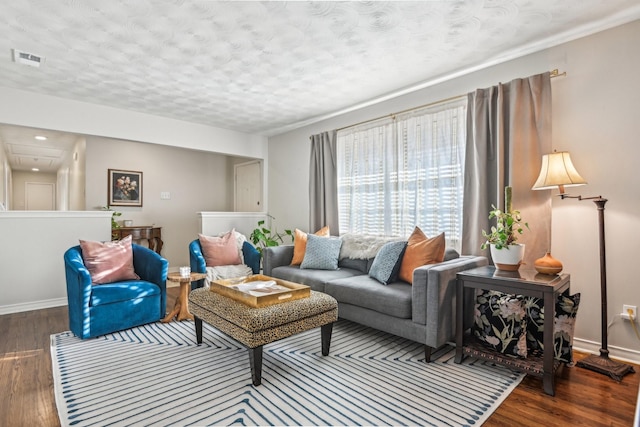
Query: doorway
<point>40,196</point>
<point>248,187</point>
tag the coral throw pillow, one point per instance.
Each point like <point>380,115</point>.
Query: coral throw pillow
<point>420,251</point>
<point>109,262</point>
<point>300,243</point>
<point>220,250</point>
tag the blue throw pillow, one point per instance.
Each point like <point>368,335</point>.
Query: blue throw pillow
<point>322,253</point>
<point>387,262</point>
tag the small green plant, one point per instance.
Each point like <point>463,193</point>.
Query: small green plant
<point>263,237</point>
<point>508,226</point>
<point>114,223</point>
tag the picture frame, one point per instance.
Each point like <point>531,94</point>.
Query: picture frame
<point>125,188</point>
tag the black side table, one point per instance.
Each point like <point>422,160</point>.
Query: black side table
<point>522,282</point>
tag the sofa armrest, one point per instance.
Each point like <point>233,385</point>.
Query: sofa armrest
<point>197,262</point>
<point>276,256</point>
<point>153,268</point>
<point>78,281</point>
<point>251,257</point>
<point>434,297</point>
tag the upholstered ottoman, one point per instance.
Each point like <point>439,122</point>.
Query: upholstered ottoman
<point>255,327</point>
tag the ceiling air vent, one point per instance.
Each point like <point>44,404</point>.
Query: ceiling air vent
<point>26,58</point>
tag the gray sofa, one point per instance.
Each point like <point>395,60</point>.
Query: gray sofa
<point>423,312</point>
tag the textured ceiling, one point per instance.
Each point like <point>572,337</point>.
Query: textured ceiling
<point>264,67</point>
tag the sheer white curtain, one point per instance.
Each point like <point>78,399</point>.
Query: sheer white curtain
<point>396,173</point>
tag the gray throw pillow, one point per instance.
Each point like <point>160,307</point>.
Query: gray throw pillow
<point>322,253</point>
<point>387,262</point>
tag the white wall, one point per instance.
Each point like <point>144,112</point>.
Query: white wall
<point>594,117</point>
<point>5,172</point>
<point>31,254</point>
<point>214,223</point>
<point>77,177</point>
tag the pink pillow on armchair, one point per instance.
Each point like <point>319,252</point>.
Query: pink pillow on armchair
<point>109,262</point>
<point>220,250</point>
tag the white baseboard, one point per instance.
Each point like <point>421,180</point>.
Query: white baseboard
<point>34,305</point>
<point>618,353</point>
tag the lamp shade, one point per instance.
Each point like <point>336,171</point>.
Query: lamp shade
<point>558,171</point>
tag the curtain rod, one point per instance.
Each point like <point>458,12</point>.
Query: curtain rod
<point>552,74</point>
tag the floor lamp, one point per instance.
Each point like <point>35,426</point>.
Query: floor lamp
<point>558,171</point>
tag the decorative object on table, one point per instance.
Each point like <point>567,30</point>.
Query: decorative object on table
<point>185,271</point>
<point>127,222</point>
<point>558,171</point>
<point>505,252</point>
<point>124,187</point>
<point>548,265</point>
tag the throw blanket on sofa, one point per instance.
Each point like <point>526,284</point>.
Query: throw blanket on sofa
<point>361,246</point>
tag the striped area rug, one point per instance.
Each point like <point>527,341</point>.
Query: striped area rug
<point>156,375</point>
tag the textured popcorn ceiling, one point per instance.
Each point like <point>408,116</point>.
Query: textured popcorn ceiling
<point>263,67</point>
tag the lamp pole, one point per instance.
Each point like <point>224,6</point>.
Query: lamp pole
<point>602,363</point>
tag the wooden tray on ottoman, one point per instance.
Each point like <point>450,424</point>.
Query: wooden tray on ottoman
<point>290,292</point>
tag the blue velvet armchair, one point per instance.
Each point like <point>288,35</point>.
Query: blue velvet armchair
<point>101,309</point>
<point>198,264</point>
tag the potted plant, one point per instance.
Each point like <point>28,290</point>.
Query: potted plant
<point>505,252</point>
<point>263,237</point>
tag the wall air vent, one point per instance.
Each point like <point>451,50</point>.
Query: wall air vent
<point>26,58</point>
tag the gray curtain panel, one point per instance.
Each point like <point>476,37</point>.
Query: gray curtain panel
<point>508,131</point>
<point>323,183</point>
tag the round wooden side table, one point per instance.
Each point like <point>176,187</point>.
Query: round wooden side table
<point>181,308</point>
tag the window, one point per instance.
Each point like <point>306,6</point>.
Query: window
<point>396,173</point>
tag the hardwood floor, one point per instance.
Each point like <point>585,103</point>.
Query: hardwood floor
<point>583,397</point>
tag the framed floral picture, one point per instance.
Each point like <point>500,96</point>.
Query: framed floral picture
<point>125,188</point>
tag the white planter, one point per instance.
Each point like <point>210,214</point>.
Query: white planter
<point>508,259</point>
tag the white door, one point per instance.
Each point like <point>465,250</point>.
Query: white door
<point>248,187</point>
<point>40,196</point>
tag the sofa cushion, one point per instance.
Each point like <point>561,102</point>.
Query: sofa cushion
<point>393,299</point>
<point>300,243</point>
<point>316,279</point>
<point>421,251</point>
<point>122,291</point>
<point>387,262</point>
<point>321,253</point>
<point>363,265</point>
<point>220,250</point>
<point>109,262</point>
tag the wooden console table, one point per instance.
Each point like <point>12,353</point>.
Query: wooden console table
<point>522,282</point>
<point>150,233</point>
